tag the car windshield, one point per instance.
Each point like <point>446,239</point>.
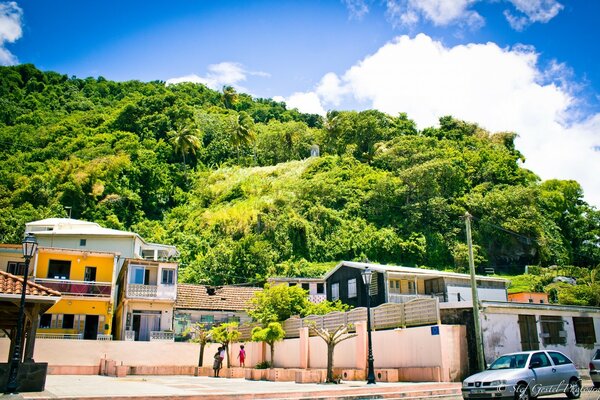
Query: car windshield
<point>510,361</point>
<point>597,355</point>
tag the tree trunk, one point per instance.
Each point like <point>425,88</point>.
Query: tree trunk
<point>272,345</point>
<point>228,357</point>
<point>330,348</point>
<point>201,356</point>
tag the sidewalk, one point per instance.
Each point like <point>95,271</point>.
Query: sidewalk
<point>92,387</point>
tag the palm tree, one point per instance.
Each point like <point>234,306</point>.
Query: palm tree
<point>185,139</point>
<point>242,132</point>
<point>229,96</point>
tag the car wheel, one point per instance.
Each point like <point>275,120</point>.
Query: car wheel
<point>574,389</point>
<point>522,392</point>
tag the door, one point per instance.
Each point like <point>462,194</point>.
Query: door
<point>136,326</point>
<point>91,327</point>
<point>90,274</point>
<point>563,367</point>
<point>144,323</point>
<point>529,334</point>
<point>544,372</point>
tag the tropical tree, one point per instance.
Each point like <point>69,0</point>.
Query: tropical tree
<point>332,338</point>
<point>185,139</point>
<point>230,96</point>
<point>270,334</point>
<point>242,130</point>
<point>277,303</point>
<point>200,335</point>
<point>226,334</point>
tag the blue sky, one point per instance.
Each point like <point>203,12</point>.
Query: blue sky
<point>528,66</point>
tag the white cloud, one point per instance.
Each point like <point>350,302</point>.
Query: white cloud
<point>502,89</point>
<point>307,102</point>
<point>538,10</point>
<point>409,13</point>
<point>532,11</point>
<point>10,30</point>
<point>356,8</point>
<point>439,12</point>
<point>219,75</point>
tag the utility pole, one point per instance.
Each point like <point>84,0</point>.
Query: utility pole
<point>475,297</point>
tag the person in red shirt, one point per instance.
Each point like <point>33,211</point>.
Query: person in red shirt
<point>242,356</point>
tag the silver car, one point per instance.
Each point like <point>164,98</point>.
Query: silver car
<point>525,375</point>
<point>595,369</point>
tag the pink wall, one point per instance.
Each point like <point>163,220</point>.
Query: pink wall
<point>401,348</point>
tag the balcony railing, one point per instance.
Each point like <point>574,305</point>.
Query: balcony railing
<point>72,336</point>
<point>77,288</point>
<point>403,298</point>
<point>162,336</point>
<point>151,291</point>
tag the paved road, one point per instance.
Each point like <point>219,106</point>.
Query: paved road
<point>588,393</point>
<point>94,387</point>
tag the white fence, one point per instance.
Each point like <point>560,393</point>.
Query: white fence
<point>419,311</point>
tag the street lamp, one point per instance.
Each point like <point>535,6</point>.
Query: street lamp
<point>29,248</point>
<point>367,275</point>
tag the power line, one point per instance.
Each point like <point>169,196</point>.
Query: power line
<point>527,238</point>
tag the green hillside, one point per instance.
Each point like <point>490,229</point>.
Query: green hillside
<point>229,180</point>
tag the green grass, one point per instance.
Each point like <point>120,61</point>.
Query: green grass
<point>519,283</point>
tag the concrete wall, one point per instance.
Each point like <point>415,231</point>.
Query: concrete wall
<point>406,348</point>
<point>114,244</point>
<point>483,293</point>
<point>502,335</point>
<point>287,353</point>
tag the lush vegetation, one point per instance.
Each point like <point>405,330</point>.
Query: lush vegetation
<point>228,179</point>
<point>564,285</point>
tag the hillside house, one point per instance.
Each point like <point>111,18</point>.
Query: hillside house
<point>398,284</point>
<point>211,305</point>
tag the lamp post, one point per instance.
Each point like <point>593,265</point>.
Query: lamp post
<point>29,248</point>
<point>367,275</point>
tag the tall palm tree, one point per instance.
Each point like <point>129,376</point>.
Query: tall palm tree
<point>185,139</point>
<point>229,96</point>
<point>242,132</point>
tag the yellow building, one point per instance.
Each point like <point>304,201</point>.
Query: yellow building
<point>86,280</point>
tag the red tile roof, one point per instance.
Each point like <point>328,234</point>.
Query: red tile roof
<point>226,298</point>
<point>12,284</point>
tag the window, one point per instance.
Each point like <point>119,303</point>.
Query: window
<point>16,268</point>
<point>584,330</point>
<point>351,288</point>
<point>82,242</point>
<point>394,286</point>
<point>140,275</point>
<point>46,321</point>
<point>541,359</point>
<point>207,318</point>
<point>306,286</point>
<point>552,330</point>
<point>558,358</point>
<point>411,287</point>
<point>90,274</point>
<point>292,284</point>
<point>320,288</point>
<point>59,269</point>
<point>335,291</point>
<point>68,321</point>
<point>168,276</point>
<point>374,287</point>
